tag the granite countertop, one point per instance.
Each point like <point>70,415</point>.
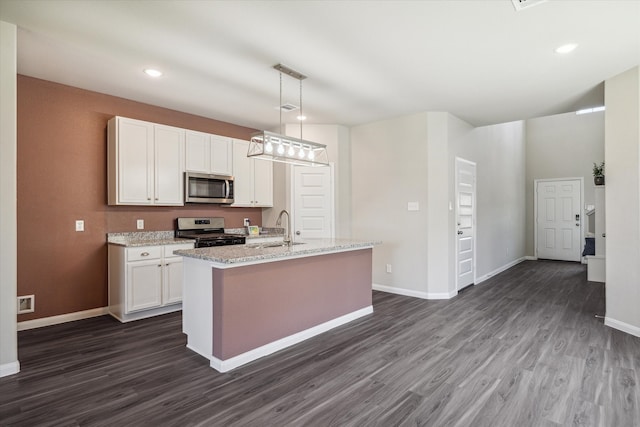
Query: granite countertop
<point>145,238</point>
<point>152,238</point>
<point>265,232</point>
<point>250,253</point>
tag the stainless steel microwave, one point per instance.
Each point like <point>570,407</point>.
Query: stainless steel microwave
<point>205,188</point>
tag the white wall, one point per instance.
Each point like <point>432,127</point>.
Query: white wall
<point>562,146</point>
<point>337,140</point>
<point>411,159</point>
<point>440,281</point>
<point>8,223</point>
<point>389,169</point>
<point>499,154</point>
<point>622,154</point>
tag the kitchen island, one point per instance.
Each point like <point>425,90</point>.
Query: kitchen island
<point>244,302</point>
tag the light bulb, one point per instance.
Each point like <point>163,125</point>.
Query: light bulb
<point>301,153</point>
<point>311,155</point>
<point>291,151</point>
<point>280,149</point>
<point>268,147</point>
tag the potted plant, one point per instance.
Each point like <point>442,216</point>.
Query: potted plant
<point>598,174</point>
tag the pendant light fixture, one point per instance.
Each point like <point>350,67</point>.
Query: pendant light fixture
<point>276,147</point>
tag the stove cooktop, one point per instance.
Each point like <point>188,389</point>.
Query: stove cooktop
<point>207,232</point>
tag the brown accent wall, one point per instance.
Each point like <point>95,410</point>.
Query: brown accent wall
<point>62,177</point>
<point>258,304</point>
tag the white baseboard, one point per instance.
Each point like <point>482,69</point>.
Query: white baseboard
<point>622,326</point>
<point>531,258</point>
<point>265,350</point>
<point>10,368</point>
<point>412,293</point>
<point>500,270</point>
<point>62,318</point>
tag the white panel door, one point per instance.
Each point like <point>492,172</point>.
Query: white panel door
<point>465,217</point>
<point>313,202</point>
<point>558,219</point>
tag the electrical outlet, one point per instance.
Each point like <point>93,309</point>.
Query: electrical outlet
<point>79,225</point>
<point>247,222</point>
<point>388,268</point>
<point>140,224</point>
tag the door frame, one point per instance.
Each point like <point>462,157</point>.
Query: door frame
<point>332,201</point>
<point>535,210</point>
<point>475,219</point>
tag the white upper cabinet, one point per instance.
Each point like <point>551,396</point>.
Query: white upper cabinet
<point>197,151</point>
<point>263,182</point>
<point>169,158</point>
<point>221,155</point>
<point>145,163</point>
<point>253,179</point>
<point>206,153</point>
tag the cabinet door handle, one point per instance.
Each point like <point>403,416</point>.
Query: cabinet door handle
<point>144,254</point>
<point>159,265</point>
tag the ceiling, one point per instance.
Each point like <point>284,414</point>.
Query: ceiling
<point>480,60</point>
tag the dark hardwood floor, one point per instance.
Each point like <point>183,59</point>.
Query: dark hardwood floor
<point>521,349</point>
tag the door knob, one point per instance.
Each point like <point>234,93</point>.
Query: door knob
<point>459,231</point>
<point>297,233</point>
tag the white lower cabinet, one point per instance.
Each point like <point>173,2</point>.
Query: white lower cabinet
<point>144,281</point>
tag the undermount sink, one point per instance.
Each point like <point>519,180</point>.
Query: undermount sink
<point>272,245</point>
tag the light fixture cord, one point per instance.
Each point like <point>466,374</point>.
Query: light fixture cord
<point>301,113</point>
<point>280,106</point>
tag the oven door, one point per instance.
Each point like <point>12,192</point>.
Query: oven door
<point>205,188</point>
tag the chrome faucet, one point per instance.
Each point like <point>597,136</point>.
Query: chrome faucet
<point>287,237</point>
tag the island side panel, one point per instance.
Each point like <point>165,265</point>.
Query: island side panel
<point>197,306</point>
<point>257,304</point>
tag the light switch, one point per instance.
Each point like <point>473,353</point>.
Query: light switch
<point>79,225</point>
<point>140,224</point>
<point>413,206</point>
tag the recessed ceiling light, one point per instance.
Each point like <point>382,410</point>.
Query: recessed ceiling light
<point>301,118</point>
<point>566,48</point>
<point>152,72</point>
<point>591,110</point>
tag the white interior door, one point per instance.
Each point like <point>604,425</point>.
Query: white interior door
<point>558,219</point>
<point>465,222</point>
<point>313,202</point>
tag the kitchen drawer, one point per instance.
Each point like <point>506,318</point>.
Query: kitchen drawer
<point>144,253</point>
<point>168,249</point>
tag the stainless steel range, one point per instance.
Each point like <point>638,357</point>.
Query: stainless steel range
<point>207,232</point>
